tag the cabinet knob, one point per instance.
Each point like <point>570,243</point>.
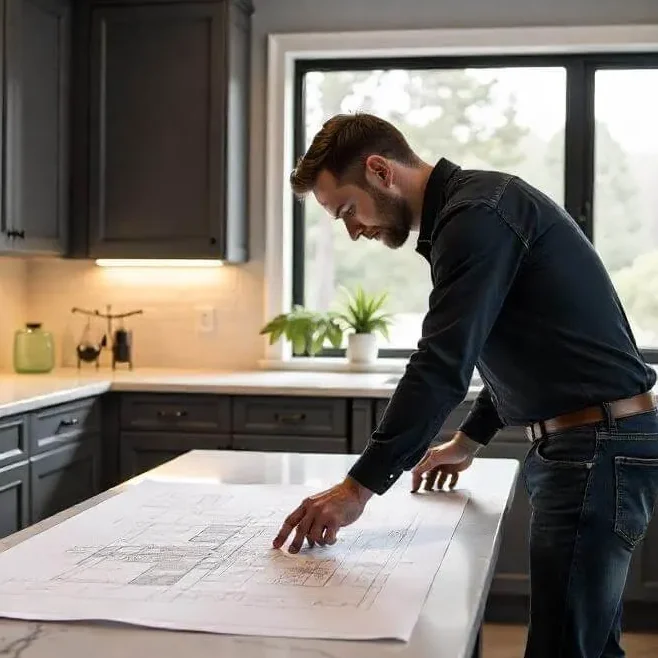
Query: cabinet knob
<point>290,418</point>
<point>172,414</point>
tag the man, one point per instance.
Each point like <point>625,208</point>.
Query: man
<point>519,292</point>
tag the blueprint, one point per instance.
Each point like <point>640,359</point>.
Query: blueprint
<point>199,557</point>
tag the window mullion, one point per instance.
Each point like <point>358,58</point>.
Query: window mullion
<point>298,232</point>
<point>579,145</point>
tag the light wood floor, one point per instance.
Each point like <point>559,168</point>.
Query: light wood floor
<point>503,641</point>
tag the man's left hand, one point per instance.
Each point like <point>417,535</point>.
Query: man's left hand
<point>319,517</point>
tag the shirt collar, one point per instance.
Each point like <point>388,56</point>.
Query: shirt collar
<point>434,199</point>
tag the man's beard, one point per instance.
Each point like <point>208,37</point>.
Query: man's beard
<point>396,218</point>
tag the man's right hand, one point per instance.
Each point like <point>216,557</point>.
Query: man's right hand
<point>448,459</point>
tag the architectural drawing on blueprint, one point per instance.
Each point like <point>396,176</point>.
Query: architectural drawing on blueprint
<point>201,557</point>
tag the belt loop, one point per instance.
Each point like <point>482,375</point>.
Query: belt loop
<point>609,417</point>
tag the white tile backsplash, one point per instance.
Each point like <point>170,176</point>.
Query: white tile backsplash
<point>166,335</point>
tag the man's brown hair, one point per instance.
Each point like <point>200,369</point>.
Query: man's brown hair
<point>342,146</point>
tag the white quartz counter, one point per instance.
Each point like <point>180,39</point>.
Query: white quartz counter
<point>448,625</point>
<point>23,393</point>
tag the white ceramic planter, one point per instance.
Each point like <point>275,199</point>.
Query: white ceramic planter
<point>362,348</point>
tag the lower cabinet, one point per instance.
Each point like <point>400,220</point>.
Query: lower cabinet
<point>64,477</point>
<point>58,456</point>
<point>14,498</point>
<point>142,451</point>
<point>265,443</point>
<point>512,574</point>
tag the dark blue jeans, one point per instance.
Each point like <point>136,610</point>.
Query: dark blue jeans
<point>592,493</point>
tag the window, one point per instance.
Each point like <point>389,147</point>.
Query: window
<point>578,128</point>
<point>626,191</point>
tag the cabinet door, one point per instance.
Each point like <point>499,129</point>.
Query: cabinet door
<point>37,69</point>
<point>14,500</point>
<point>142,451</point>
<point>157,131</point>
<point>64,477</point>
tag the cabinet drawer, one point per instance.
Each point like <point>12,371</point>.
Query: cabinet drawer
<point>194,413</point>
<point>13,440</point>
<point>317,444</point>
<point>452,422</point>
<point>299,416</point>
<point>64,423</point>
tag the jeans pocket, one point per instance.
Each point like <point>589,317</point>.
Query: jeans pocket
<point>566,451</point>
<point>636,484</point>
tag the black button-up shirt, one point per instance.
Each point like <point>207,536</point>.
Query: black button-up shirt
<point>518,292</point>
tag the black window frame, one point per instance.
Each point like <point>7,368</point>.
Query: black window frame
<point>579,133</point>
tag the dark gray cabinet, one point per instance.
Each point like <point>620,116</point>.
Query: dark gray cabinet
<point>280,423</point>
<point>512,574</point>
<point>65,456</point>
<point>14,498</point>
<point>50,459</point>
<point>142,451</point>
<point>63,477</point>
<point>13,440</point>
<point>162,145</point>
<point>157,427</point>
<point>36,170</point>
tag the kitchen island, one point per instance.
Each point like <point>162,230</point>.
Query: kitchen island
<point>449,625</point>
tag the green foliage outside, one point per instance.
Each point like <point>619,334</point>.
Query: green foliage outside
<point>457,115</point>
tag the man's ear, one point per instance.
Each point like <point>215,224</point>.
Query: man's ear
<point>379,169</point>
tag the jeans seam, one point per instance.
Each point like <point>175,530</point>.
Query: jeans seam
<point>576,549</point>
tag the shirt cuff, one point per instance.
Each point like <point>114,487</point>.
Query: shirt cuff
<point>375,470</point>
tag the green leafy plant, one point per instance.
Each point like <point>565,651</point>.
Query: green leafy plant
<point>306,330</point>
<point>363,313</point>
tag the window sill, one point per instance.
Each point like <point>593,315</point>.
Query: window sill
<point>334,364</point>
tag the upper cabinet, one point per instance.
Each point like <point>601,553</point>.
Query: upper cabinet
<point>161,118</point>
<point>34,181</point>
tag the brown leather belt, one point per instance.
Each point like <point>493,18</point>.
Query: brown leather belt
<point>618,409</point>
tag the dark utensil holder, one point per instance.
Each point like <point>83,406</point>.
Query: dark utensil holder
<point>122,348</point>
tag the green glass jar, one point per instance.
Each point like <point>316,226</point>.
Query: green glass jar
<point>34,349</point>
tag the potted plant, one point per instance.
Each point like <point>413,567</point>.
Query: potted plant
<point>363,315</point>
<point>306,330</point>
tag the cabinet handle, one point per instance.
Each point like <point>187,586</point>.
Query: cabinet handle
<point>290,418</point>
<point>172,414</point>
<point>68,422</point>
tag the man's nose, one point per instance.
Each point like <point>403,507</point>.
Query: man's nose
<point>354,229</point>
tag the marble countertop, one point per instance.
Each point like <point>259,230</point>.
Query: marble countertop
<point>24,393</point>
<point>448,624</point>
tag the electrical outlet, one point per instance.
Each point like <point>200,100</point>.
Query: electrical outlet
<point>205,319</point>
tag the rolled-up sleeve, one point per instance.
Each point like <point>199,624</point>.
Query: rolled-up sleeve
<point>475,259</point>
